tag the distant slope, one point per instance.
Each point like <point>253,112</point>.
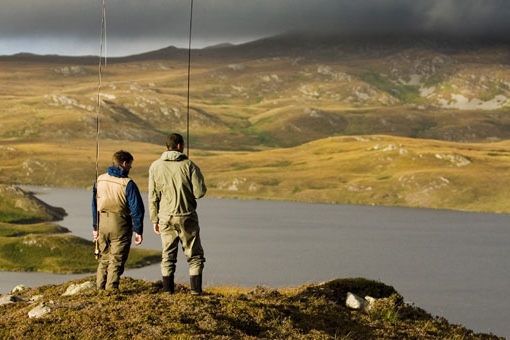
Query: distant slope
<point>366,170</point>
<point>276,92</point>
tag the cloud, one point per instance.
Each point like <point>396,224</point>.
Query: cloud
<point>73,27</point>
<point>471,17</point>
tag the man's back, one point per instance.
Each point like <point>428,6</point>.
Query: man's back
<point>175,183</point>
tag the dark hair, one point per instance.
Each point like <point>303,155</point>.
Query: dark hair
<point>173,140</point>
<point>122,156</point>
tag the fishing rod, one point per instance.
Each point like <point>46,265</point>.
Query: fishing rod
<point>189,75</point>
<point>102,58</point>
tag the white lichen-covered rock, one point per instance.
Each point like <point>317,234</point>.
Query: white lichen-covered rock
<point>36,298</point>
<point>7,299</point>
<point>370,300</point>
<point>456,160</point>
<point>355,302</point>
<point>39,311</point>
<point>18,288</point>
<point>79,288</point>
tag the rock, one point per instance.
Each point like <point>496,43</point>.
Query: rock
<point>355,302</point>
<point>370,300</point>
<point>79,288</point>
<point>39,311</point>
<point>36,298</point>
<point>18,288</point>
<point>7,299</point>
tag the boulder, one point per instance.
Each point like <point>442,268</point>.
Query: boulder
<point>36,298</point>
<point>7,299</point>
<point>355,302</point>
<point>39,311</point>
<point>18,288</point>
<point>79,288</point>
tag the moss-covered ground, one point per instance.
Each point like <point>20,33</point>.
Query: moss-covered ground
<point>141,311</point>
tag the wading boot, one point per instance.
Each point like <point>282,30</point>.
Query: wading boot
<point>168,284</point>
<point>196,284</point>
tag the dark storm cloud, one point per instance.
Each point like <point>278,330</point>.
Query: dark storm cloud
<point>134,25</point>
<point>261,18</point>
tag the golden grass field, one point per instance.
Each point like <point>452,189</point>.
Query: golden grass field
<point>366,170</point>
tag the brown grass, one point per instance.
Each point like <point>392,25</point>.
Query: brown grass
<point>368,170</point>
<point>140,311</point>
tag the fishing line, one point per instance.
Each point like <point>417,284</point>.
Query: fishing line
<point>189,75</point>
<point>102,58</point>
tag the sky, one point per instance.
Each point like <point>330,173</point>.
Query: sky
<point>73,27</point>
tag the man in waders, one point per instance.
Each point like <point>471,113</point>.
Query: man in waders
<point>175,183</point>
<point>117,212</point>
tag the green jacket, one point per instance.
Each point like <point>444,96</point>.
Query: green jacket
<point>175,183</point>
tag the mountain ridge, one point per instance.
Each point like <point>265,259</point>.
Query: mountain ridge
<point>385,85</point>
<point>279,45</point>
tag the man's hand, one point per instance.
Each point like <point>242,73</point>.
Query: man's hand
<point>138,239</point>
<point>95,235</point>
<point>156,228</point>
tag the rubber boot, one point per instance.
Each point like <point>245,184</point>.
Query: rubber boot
<point>168,284</point>
<point>196,284</point>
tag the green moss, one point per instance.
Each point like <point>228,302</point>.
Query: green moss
<point>50,253</point>
<point>406,93</point>
<point>11,230</point>
<point>140,311</point>
<point>270,182</point>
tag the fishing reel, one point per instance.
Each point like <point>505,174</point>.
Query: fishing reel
<point>97,254</point>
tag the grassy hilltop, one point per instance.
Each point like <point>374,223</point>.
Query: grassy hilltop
<point>139,311</point>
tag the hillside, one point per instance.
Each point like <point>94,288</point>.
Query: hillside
<point>140,311</point>
<point>275,92</point>
<point>367,170</point>
<point>256,108</point>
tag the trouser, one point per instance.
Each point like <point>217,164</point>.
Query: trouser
<point>115,233</point>
<point>184,229</point>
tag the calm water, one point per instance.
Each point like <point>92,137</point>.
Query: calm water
<point>452,264</point>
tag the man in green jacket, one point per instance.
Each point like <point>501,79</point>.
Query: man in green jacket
<point>175,183</point>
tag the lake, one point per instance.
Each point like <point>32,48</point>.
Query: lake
<point>452,264</point>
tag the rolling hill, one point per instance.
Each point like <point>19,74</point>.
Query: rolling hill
<point>272,99</point>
